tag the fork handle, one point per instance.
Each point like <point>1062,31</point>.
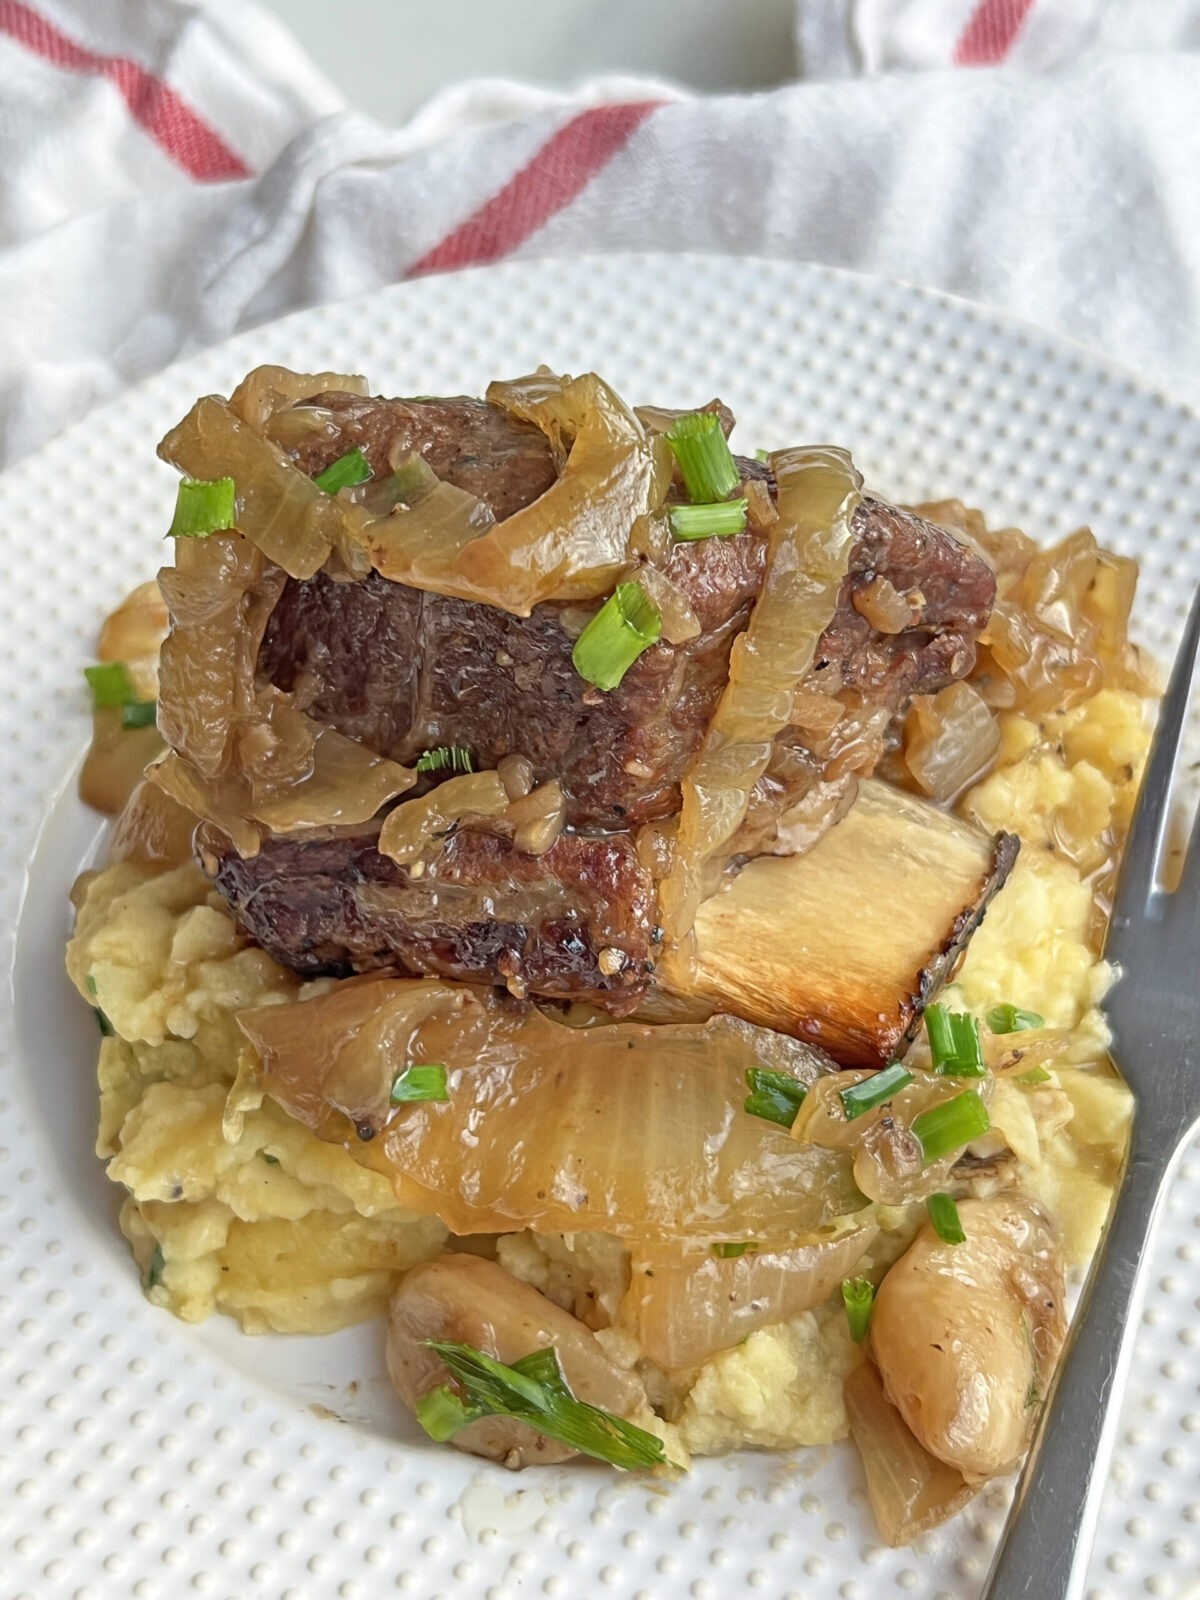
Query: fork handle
<point>1044,1550</point>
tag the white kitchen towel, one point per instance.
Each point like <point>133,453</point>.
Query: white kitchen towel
<point>1070,199</point>
<point>840,38</point>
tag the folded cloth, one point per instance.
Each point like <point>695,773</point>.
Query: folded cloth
<point>840,38</point>
<point>1067,199</point>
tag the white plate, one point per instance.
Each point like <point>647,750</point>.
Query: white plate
<point>142,1457</point>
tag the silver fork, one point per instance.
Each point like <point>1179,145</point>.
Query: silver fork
<point>1154,1010</point>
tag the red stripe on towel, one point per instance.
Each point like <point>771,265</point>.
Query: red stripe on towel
<point>991,32</point>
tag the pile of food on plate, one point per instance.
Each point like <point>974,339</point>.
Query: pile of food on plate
<point>545,907</point>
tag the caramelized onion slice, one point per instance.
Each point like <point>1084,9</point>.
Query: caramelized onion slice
<point>411,828</point>
<point>268,390</point>
<point>910,1490</point>
<point>807,556</point>
<point>295,524</point>
<point>682,1309</point>
<point>950,740</point>
<point>631,1130</point>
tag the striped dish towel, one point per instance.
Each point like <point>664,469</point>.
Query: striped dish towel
<point>176,172</point>
<point>838,38</point>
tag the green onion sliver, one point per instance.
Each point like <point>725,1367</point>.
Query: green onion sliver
<point>1011,1019</point>
<point>733,1249</point>
<point>873,1091</point>
<point>709,522</point>
<point>426,1082</point>
<point>203,507</point>
<point>774,1096</point>
<point>1035,1075</point>
<point>858,1296</point>
<point>110,685</point>
<point>532,1390</point>
<point>954,1043</point>
<point>445,758</point>
<point>943,1214</point>
<point>705,460</point>
<point>626,624</point>
<point>139,713</point>
<point>157,1266</point>
<point>345,473</point>
<point>951,1125</point>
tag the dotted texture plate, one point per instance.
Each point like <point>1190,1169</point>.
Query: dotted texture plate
<point>140,1457</point>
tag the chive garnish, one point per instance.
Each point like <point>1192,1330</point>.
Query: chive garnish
<point>709,522</point>
<point>951,1125</point>
<point>626,624</point>
<point>139,713</point>
<point>532,1390</point>
<point>774,1096</point>
<point>1035,1075</point>
<point>106,1028</point>
<point>203,507</point>
<point>445,758</point>
<point>954,1043</point>
<point>426,1082</point>
<point>1012,1019</point>
<point>157,1267</point>
<point>858,1296</point>
<point>345,473</point>
<point>943,1214</point>
<point>872,1092</point>
<point>735,1248</point>
<point>705,460</point>
<point>272,1161</point>
<point>110,685</point>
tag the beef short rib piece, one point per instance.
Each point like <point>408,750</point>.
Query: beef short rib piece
<point>575,923</point>
<point>402,671</point>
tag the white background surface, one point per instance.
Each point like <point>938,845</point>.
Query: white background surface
<point>143,1458</point>
<point>390,55</point>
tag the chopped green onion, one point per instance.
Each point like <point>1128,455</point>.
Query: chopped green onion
<point>441,1413</point>
<point>420,1083</point>
<point>445,758</point>
<point>1034,1075</point>
<point>951,1125</point>
<point>106,1028</point>
<point>709,522</point>
<point>157,1266</point>
<point>90,981</point>
<point>533,1390</point>
<point>345,473</point>
<point>110,684</point>
<point>705,459</point>
<point>139,713</point>
<point>762,455</point>
<point>203,507</point>
<point>943,1213</point>
<point>1011,1019</point>
<point>872,1092</point>
<point>858,1296</point>
<point>954,1043</point>
<point>272,1161</point>
<point>774,1096</point>
<point>626,624</point>
<point>736,1247</point>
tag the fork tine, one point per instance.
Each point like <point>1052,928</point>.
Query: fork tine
<point>1147,835</point>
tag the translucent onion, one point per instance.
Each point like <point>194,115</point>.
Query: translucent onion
<point>427,531</point>
<point>538,818</point>
<point>152,828</point>
<point>950,740</point>
<point>270,390</point>
<point>683,1309</point>
<point>295,524</point>
<point>630,1130</point>
<point>808,552</point>
<point>116,760</point>
<point>679,621</point>
<point>410,829</point>
<point>884,607</point>
<point>910,1490</point>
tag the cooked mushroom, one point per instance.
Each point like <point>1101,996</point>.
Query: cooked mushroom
<point>966,1335</point>
<point>472,1301</point>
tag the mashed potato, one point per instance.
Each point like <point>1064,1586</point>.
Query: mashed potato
<point>234,1207</point>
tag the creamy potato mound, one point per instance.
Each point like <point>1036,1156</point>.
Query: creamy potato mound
<point>231,1206</point>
